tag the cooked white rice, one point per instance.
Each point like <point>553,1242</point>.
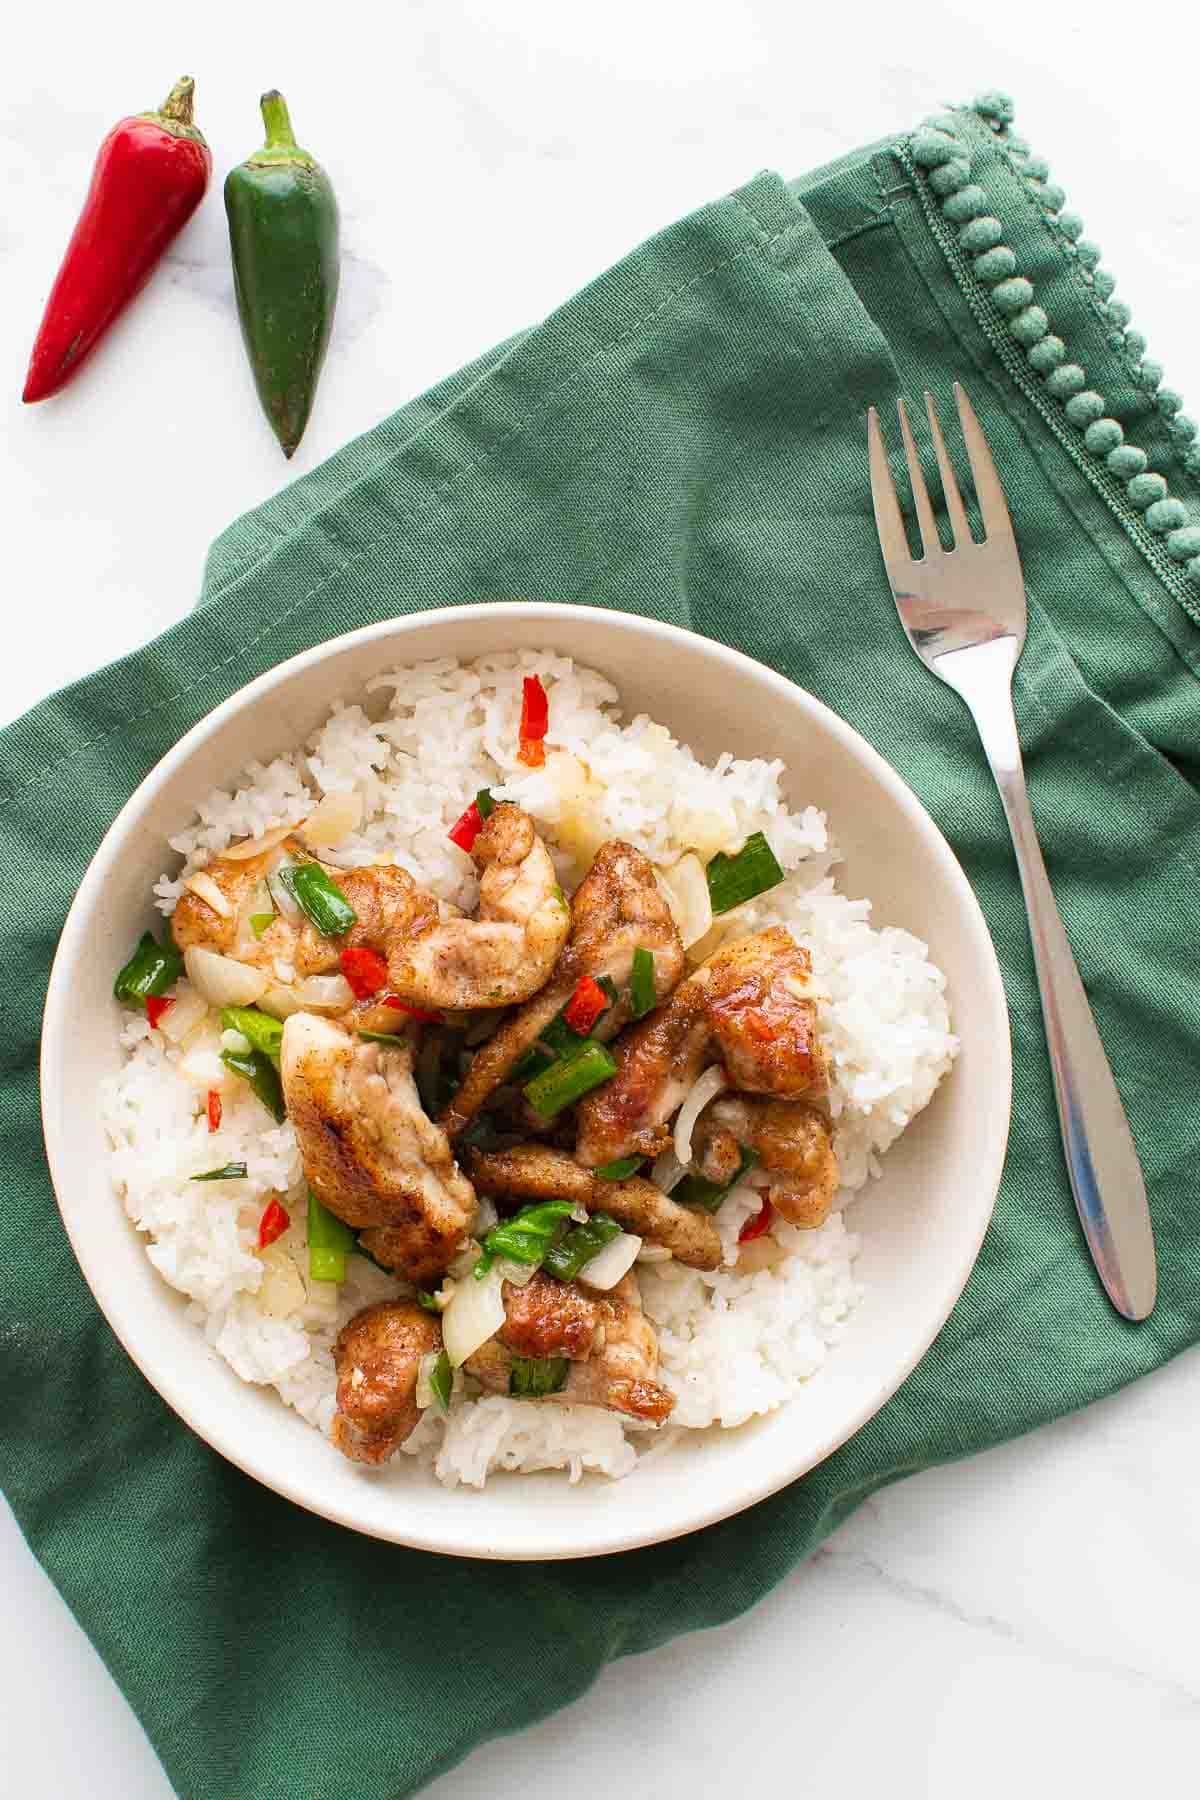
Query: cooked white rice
<point>734,1343</point>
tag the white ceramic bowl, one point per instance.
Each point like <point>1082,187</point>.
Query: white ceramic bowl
<point>921,1224</point>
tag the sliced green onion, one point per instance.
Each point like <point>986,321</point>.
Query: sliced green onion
<point>533,1377</point>
<point>150,970</point>
<point>260,1030</point>
<point>230,1172</point>
<point>579,1246</point>
<point>441,1380</point>
<point>538,1056</point>
<point>428,1301</point>
<point>263,1077</point>
<point>484,803</point>
<point>321,898</point>
<point>329,1242</point>
<point>526,1237</point>
<point>642,992</point>
<point>569,1080</point>
<point>620,1170</point>
<point>383,1037</point>
<point>260,922</point>
<point>732,879</point>
<point>694,1190</point>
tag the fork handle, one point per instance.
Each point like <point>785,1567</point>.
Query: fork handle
<point>1102,1160</point>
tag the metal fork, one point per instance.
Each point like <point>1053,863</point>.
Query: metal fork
<point>963,611</point>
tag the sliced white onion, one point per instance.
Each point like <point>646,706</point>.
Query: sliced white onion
<point>710,1084</point>
<point>184,1016</point>
<point>474,1315</point>
<point>203,885</point>
<point>612,1263</point>
<point>204,1069</point>
<point>336,816</point>
<point>285,902</point>
<point>281,1291</point>
<point>685,887</point>
<point>234,1042</point>
<point>221,980</point>
<point>285,971</point>
<point>256,846</point>
<point>667,1172</point>
<point>424,1395</point>
<point>654,1253</point>
<point>280,1002</point>
<point>324,993</point>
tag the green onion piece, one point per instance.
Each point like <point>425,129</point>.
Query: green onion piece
<point>579,1246</point>
<point>533,1377</point>
<point>258,1028</point>
<point>329,1241</point>
<point>150,970</point>
<point>526,1237</point>
<point>383,1037</point>
<point>538,1056</point>
<point>321,898</point>
<point>260,922</point>
<point>485,804</point>
<point>643,995</point>
<point>569,1080</point>
<point>428,1301</point>
<point>560,1038</point>
<point>732,879</point>
<point>441,1380</point>
<point>263,1077</point>
<point>620,1170</point>
<point>231,1172</point>
<point>694,1190</point>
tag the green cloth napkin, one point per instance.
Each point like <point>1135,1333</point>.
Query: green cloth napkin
<point>685,439</point>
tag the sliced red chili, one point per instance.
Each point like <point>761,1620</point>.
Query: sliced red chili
<point>464,831</point>
<point>273,1224</point>
<point>365,970</point>
<point>754,1228</point>
<point>535,718</point>
<point>585,1005</point>
<point>157,1005</point>
<point>214,1110</point>
<point>414,1012</point>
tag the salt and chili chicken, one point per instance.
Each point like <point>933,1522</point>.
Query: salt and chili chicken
<point>506,1110</point>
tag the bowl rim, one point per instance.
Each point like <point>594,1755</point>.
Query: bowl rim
<point>56,1014</point>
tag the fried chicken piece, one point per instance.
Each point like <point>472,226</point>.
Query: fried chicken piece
<point>370,1154</point>
<point>747,1006</point>
<point>616,909</point>
<point>378,1358</point>
<point>391,908</point>
<point>620,1364</point>
<point>792,1143</point>
<point>537,1172</point>
<point>505,954</point>
<point>550,1318</point>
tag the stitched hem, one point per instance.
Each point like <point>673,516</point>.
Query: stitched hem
<point>1004,303</point>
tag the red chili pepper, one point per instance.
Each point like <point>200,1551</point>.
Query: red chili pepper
<point>273,1224</point>
<point>754,1228</point>
<point>157,1005</point>
<point>150,175</point>
<point>365,970</point>
<point>414,1012</point>
<point>214,1110</point>
<point>464,831</point>
<point>585,1005</point>
<point>535,718</point>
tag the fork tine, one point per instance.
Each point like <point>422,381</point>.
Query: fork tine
<point>888,520</point>
<point>993,507</point>
<point>960,531</point>
<point>925,519</point>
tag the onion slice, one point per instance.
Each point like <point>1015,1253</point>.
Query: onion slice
<point>221,980</point>
<point>324,993</point>
<point>206,889</point>
<point>667,1172</point>
<point>475,1314</point>
<point>685,889</point>
<point>711,1083</point>
<point>188,1011</point>
<point>611,1264</point>
<point>333,819</point>
<point>256,846</point>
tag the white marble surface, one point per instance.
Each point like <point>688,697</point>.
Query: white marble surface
<point>1021,1623</point>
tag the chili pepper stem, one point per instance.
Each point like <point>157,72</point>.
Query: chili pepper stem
<point>278,122</point>
<point>178,103</point>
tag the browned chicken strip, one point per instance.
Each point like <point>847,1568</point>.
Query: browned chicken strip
<point>390,907</point>
<point>616,909</point>
<point>506,953</point>
<point>378,1358</point>
<point>617,1371</point>
<point>537,1172</point>
<point>370,1153</point>
<point>747,1007</point>
<point>792,1143</point>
